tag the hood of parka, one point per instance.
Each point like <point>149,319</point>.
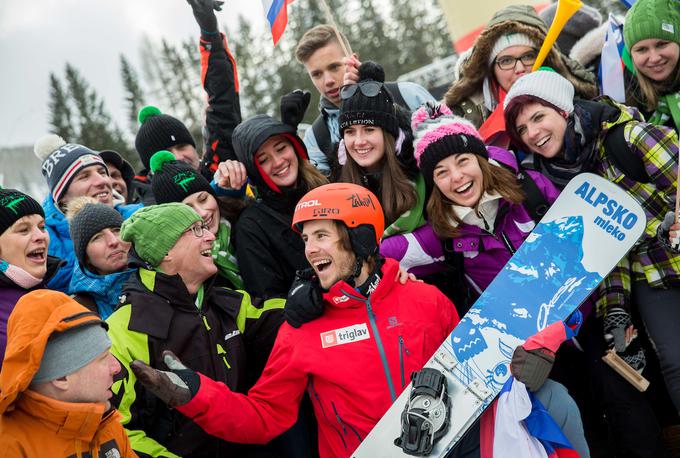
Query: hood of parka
<point>251,134</point>
<point>514,19</point>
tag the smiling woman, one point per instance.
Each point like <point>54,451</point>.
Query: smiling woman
<point>276,161</point>
<point>24,264</point>
<point>102,256</point>
<point>652,33</point>
<point>613,141</point>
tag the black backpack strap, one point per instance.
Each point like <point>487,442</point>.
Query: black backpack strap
<point>535,202</point>
<point>616,149</point>
<point>323,136</point>
<point>393,87</point>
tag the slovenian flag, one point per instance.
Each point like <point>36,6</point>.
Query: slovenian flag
<point>611,62</point>
<point>277,15</point>
<point>517,420</point>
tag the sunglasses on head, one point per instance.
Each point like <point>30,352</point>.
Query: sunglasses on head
<point>367,88</point>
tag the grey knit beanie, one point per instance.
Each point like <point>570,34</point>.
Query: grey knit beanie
<point>545,84</point>
<point>68,351</point>
<point>86,219</point>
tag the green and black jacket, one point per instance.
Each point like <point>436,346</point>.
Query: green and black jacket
<point>220,332</point>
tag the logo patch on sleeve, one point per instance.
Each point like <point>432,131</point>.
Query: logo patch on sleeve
<point>344,335</point>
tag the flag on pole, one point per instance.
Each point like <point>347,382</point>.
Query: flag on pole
<point>277,15</point>
<point>612,62</point>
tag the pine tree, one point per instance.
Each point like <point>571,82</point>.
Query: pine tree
<point>59,109</point>
<point>90,122</point>
<point>134,96</point>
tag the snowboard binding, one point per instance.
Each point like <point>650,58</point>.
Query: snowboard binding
<point>426,416</point>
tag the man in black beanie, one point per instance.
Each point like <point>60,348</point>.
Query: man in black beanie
<point>157,132</point>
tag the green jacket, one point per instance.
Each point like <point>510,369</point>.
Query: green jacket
<point>219,332</point>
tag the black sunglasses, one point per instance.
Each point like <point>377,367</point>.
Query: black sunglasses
<point>368,88</point>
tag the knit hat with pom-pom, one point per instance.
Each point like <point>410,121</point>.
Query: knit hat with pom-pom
<point>173,180</point>
<point>62,161</point>
<point>438,134</point>
<point>158,131</point>
<point>370,110</point>
<point>87,217</point>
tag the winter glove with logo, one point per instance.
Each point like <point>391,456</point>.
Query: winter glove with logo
<point>662,233</point>
<point>616,322</point>
<point>204,12</point>
<point>175,387</point>
<point>293,107</point>
<point>532,367</point>
<point>304,302</point>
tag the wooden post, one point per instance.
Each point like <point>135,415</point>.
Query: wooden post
<point>329,17</point>
<point>624,370</point>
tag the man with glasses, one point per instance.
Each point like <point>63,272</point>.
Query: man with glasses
<point>170,303</point>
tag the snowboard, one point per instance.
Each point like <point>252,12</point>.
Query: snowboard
<point>584,234</point>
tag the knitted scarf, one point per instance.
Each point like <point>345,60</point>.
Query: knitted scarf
<point>579,152</point>
<point>667,108</point>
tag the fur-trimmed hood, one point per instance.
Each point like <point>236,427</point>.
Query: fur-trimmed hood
<point>514,19</point>
<point>588,49</point>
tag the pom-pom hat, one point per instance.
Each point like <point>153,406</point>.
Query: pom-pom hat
<point>158,132</point>
<point>438,134</point>
<point>62,161</point>
<point>368,102</point>
<point>173,180</point>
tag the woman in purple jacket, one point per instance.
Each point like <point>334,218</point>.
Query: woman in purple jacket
<point>476,203</point>
<point>24,264</point>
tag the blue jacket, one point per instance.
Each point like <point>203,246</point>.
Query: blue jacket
<point>61,244</point>
<point>104,289</point>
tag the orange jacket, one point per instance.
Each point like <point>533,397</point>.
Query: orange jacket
<point>33,425</point>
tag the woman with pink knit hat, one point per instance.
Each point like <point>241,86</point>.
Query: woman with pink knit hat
<point>476,206</point>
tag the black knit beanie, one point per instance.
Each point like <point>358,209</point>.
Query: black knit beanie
<point>173,180</point>
<point>86,221</point>
<point>14,205</point>
<point>159,131</point>
<point>378,110</point>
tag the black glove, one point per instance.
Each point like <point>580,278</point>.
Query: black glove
<point>615,324</point>
<point>532,367</point>
<point>304,302</point>
<point>662,233</point>
<point>204,12</point>
<point>293,107</point>
<point>176,387</point>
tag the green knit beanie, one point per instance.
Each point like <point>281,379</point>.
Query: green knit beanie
<point>652,19</point>
<point>154,230</point>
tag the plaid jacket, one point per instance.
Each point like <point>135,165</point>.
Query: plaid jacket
<point>657,146</point>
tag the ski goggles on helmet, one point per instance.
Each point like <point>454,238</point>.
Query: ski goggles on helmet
<point>367,88</point>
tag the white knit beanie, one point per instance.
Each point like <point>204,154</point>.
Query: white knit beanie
<point>507,40</point>
<point>545,84</point>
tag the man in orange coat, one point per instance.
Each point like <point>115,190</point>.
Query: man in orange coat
<point>55,382</point>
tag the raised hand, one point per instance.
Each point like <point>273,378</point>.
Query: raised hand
<point>204,12</point>
<point>231,175</point>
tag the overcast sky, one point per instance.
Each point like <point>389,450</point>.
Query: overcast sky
<point>38,36</point>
